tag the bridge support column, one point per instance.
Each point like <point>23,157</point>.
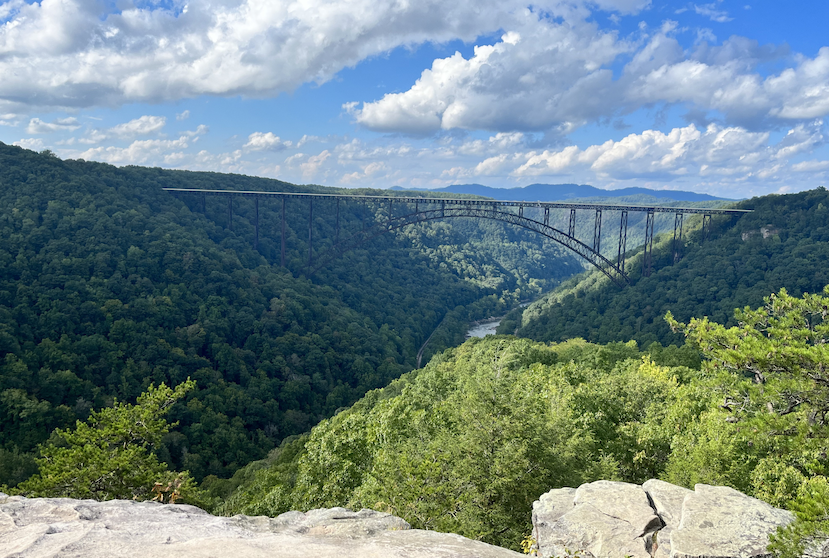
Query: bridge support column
<point>337,237</point>
<point>204,203</point>
<point>706,226</point>
<point>443,209</point>
<point>520,210</point>
<point>597,232</point>
<point>283,232</point>
<point>677,236</point>
<point>572,230</point>
<point>256,224</point>
<point>230,212</point>
<point>623,238</point>
<point>647,263</point>
<point>310,230</point>
<point>547,216</point>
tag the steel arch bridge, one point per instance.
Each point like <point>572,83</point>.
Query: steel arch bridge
<point>421,209</point>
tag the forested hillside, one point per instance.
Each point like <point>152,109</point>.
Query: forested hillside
<point>782,244</point>
<point>108,284</point>
<point>466,444</point>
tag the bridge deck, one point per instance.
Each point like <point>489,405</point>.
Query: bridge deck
<point>469,201</point>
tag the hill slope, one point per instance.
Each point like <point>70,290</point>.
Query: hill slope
<point>466,444</point>
<point>108,284</point>
<point>782,244</point>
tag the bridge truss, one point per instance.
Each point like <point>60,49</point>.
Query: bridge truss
<point>412,210</point>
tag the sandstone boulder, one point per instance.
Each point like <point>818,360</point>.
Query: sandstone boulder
<point>720,521</point>
<point>667,500</point>
<point>660,520</point>
<point>66,528</point>
<point>606,519</point>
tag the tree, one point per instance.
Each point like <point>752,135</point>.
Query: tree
<point>111,454</point>
<point>774,375</point>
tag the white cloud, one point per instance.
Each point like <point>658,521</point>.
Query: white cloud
<point>142,126</point>
<point>687,151</point>
<point>35,144</point>
<point>710,11</point>
<point>307,139</point>
<point>555,76</point>
<point>811,166</point>
<point>38,126</point>
<point>183,115</point>
<point>137,153</point>
<point>200,130</point>
<point>540,75</point>
<point>311,167</point>
<point>9,119</point>
<point>76,53</point>
<point>365,173</point>
<point>140,152</point>
<point>495,144</point>
<point>723,79</point>
<point>259,141</point>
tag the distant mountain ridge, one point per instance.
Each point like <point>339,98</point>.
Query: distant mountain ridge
<point>563,192</point>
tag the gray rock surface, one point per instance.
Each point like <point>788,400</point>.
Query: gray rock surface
<point>548,508</point>
<point>658,519</point>
<point>720,521</point>
<point>607,519</point>
<point>66,528</point>
<point>667,499</point>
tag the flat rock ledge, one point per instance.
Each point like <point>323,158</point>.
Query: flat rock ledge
<point>607,519</point>
<point>47,527</point>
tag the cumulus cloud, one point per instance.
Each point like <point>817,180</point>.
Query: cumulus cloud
<point>38,126</point>
<point>540,75</point>
<point>76,53</point>
<point>555,76</point>
<point>183,115</point>
<point>311,167</point>
<point>138,127</point>
<point>721,151</point>
<point>142,126</point>
<point>144,151</point>
<point>35,144</point>
<point>259,141</point>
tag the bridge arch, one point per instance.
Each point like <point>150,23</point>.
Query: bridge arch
<point>498,210</point>
<point>612,270</point>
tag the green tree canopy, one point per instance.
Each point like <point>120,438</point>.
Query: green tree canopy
<point>111,455</point>
<point>772,373</point>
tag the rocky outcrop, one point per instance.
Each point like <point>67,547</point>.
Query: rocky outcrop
<point>61,527</point>
<point>614,519</point>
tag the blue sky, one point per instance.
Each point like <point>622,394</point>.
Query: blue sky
<point>722,97</point>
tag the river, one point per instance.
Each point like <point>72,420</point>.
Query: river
<point>483,328</point>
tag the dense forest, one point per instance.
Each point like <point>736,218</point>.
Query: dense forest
<point>145,343</point>
<point>781,244</point>
<point>466,444</point>
<point>109,284</point>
